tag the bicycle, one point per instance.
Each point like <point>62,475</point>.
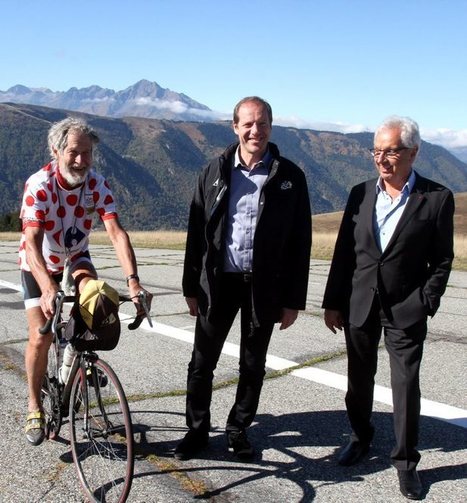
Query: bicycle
<point>101,431</point>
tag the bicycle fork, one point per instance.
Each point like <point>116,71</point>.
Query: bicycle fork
<point>90,378</point>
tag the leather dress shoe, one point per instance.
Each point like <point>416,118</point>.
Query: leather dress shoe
<point>192,443</point>
<point>238,442</point>
<point>410,484</point>
<point>352,453</point>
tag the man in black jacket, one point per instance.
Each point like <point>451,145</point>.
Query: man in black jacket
<point>248,250</point>
<point>390,268</point>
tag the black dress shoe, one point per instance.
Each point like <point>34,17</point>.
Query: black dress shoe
<point>192,443</point>
<point>353,452</point>
<point>410,484</point>
<point>238,442</point>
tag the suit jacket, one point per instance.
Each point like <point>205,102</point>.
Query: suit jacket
<point>410,276</point>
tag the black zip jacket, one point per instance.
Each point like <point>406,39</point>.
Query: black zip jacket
<point>282,241</point>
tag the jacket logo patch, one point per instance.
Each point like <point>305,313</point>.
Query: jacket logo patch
<point>286,185</point>
<point>216,183</point>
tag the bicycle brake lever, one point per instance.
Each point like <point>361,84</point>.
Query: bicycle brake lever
<point>142,296</point>
<point>140,317</point>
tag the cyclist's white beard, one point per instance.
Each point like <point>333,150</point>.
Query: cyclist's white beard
<point>73,179</point>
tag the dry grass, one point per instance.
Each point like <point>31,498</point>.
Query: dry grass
<point>325,227</point>
<point>171,240</point>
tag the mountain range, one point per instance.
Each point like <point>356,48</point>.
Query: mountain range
<point>152,164</point>
<point>143,99</point>
<point>150,100</point>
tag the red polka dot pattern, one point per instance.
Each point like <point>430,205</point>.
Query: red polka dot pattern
<point>72,199</point>
<point>57,211</point>
<point>79,211</point>
<point>41,195</point>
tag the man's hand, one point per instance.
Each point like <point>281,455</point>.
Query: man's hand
<point>333,319</point>
<point>192,303</point>
<point>134,289</point>
<point>47,300</point>
<point>288,318</point>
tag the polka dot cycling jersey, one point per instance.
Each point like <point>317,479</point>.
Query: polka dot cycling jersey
<point>65,215</point>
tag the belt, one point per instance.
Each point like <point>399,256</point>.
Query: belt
<point>239,276</point>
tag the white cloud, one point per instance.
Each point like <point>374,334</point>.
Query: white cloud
<point>338,127</point>
<point>178,107</point>
<point>448,138</point>
<point>174,106</point>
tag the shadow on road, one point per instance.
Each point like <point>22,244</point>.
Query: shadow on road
<point>293,437</point>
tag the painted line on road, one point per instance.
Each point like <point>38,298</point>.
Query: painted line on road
<point>444,412</point>
<point>448,413</point>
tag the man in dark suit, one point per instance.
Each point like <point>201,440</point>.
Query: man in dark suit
<point>390,268</point>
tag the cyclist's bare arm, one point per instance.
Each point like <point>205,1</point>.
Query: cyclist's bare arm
<point>126,257</point>
<point>34,237</point>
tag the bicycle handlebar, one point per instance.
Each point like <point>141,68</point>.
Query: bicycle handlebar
<point>61,298</point>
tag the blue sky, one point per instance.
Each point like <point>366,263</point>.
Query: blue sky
<point>347,63</point>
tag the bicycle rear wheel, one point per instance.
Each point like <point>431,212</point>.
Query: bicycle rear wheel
<point>50,395</point>
<point>101,433</point>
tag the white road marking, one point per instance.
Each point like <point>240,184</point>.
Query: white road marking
<point>448,413</point>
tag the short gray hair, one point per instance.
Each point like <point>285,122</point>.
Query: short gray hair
<point>410,133</point>
<point>253,99</point>
<point>59,131</point>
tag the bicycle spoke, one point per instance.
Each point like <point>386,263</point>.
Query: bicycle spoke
<point>101,433</point>
<point>50,397</point>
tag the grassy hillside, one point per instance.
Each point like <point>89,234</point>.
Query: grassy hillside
<point>152,165</point>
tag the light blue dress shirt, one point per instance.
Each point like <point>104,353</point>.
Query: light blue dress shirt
<point>245,190</point>
<point>388,211</point>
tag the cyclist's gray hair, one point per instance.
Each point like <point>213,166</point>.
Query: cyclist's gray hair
<point>410,133</point>
<point>59,131</point>
<point>254,99</point>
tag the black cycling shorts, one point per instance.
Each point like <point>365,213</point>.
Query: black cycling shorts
<point>31,291</point>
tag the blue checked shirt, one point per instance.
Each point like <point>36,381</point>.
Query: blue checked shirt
<point>245,190</point>
<point>388,211</point>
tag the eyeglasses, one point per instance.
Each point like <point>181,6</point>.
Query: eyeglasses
<point>390,154</point>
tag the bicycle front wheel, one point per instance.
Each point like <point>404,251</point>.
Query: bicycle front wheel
<point>101,433</point>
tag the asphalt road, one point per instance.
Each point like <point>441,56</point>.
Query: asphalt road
<point>301,422</point>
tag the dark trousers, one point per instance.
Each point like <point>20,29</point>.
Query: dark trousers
<point>235,295</point>
<point>405,348</point>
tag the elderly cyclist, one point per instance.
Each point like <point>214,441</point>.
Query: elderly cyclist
<point>58,205</point>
